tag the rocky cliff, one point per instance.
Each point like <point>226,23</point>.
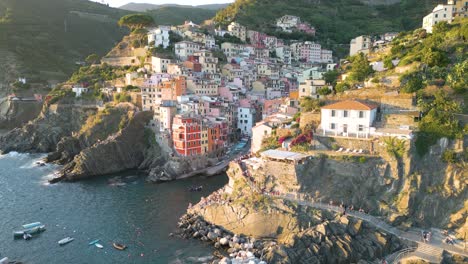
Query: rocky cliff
<point>121,151</point>
<point>282,231</point>
<point>88,141</point>
<point>43,133</point>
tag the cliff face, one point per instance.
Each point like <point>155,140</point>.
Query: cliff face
<point>407,190</point>
<point>43,133</point>
<point>302,234</point>
<point>122,151</point>
<point>86,141</point>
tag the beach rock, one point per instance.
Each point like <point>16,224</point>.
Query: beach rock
<point>224,241</point>
<point>212,236</point>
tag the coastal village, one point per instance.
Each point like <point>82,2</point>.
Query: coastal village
<point>207,96</point>
<point>320,147</point>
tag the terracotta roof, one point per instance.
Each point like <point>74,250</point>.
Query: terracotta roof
<point>350,105</point>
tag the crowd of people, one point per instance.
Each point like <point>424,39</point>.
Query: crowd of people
<point>214,198</point>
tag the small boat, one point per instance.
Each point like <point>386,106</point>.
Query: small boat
<point>196,188</point>
<point>119,246</point>
<point>4,260</point>
<point>30,231</point>
<point>98,245</point>
<point>65,241</point>
<point>31,225</point>
<point>94,242</point>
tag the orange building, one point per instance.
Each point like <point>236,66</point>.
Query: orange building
<point>217,136</point>
<point>186,134</point>
<point>173,88</point>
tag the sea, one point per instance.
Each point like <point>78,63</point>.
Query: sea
<point>121,208</point>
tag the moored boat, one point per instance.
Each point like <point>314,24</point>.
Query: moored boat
<point>119,246</point>
<point>94,242</point>
<point>65,241</point>
<point>31,225</point>
<point>98,245</point>
<point>30,231</point>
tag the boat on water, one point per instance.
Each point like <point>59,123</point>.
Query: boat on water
<point>98,245</point>
<point>196,188</point>
<point>4,260</point>
<point>93,242</point>
<point>31,225</point>
<point>30,231</point>
<point>65,241</point>
<point>119,246</point>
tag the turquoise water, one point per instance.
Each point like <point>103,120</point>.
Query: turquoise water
<point>122,208</point>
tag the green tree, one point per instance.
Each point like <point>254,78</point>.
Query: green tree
<point>331,77</point>
<point>360,68</point>
<point>388,63</point>
<point>458,77</point>
<point>308,104</point>
<point>341,87</point>
<point>433,58</point>
<point>412,83</point>
<point>324,91</point>
<point>439,121</point>
<point>92,59</point>
<point>136,21</point>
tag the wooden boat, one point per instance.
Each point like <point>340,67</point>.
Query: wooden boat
<point>94,242</point>
<point>119,246</point>
<point>30,231</point>
<point>65,241</point>
<point>98,245</point>
<point>31,225</point>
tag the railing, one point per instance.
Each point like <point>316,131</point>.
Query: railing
<point>403,253</point>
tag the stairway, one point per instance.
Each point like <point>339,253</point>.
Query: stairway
<point>425,252</point>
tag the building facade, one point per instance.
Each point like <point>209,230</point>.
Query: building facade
<point>348,118</point>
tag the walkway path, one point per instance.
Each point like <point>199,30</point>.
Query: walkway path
<point>429,251</point>
<point>218,168</point>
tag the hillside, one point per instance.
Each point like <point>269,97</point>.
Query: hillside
<point>337,21</point>
<point>175,15</point>
<point>142,7</point>
<point>44,39</point>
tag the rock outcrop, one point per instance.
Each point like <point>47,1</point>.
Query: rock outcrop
<point>122,151</point>
<point>45,132</point>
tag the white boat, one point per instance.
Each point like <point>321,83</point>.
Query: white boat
<point>98,245</point>
<point>4,260</point>
<point>31,225</point>
<point>65,241</point>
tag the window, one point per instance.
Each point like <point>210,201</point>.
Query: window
<point>361,114</point>
<point>333,113</point>
<point>360,128</point>
<point>345,113</point>
<point>332,126</point>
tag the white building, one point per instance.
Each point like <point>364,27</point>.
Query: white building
<point>160,36</point>
<point>245,120</point>
<point>284,53</point>
<point>348,118</point>
<point>439,14</point>
<point>287,23</point>
<point>237,30</point>
<point>326,56</point>
<point>311,88</point>
<point>360,44</point>
<point>159,65</point>
<point>259,132</point>
<point>79,91</point>
<point>184,49</point>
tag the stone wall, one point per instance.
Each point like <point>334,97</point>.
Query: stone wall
<point>309,119</point>
<point>397,120</point>
<point>345,143</point>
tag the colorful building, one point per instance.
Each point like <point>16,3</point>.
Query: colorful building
<point>186,135</point>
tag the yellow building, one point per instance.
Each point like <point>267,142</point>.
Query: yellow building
<point>460,7</point>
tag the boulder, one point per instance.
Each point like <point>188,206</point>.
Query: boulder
<point>212,236</point>
<point>224,241</point>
